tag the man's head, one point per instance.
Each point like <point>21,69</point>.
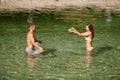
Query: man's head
<point>32,27</point>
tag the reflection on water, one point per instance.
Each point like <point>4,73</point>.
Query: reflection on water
<point>29,18</point>
<point>109,16</point>
<point>88,61</point>
<point>31,64</point>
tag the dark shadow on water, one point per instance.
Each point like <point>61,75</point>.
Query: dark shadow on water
<point>103,49</point>
<point>50,51</point>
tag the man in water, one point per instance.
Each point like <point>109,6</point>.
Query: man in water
<point>31,42</point>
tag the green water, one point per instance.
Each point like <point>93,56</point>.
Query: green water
<point>64,57</point>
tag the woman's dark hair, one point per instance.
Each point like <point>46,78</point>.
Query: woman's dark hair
<point>90,26</point>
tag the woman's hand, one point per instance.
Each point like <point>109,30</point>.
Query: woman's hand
<point>72,29</point>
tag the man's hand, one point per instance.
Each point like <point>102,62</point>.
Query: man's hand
<point>41,49</point>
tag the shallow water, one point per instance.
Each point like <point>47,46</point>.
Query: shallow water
<point>64,57</point>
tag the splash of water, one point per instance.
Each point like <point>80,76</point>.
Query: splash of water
<point>29,18</point>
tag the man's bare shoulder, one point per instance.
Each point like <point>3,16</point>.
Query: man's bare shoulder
<point>29,33</point>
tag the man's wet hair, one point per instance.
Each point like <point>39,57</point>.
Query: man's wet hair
<point>31,24</point>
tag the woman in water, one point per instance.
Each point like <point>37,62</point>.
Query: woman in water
<point>89,35</point>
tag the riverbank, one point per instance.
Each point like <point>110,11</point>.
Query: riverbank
<point>19,5</point>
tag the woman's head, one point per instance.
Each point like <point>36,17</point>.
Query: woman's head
<point>89,27</point>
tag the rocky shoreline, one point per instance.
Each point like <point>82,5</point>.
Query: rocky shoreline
<point>26,5</point>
